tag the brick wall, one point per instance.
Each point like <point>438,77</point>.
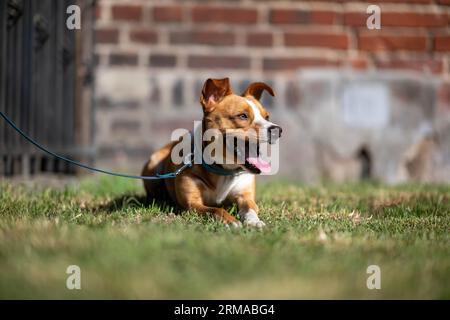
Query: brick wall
<point>153,56</point>
<point>273,36</point>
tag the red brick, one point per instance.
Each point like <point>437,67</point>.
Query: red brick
<point>435,66</point>
<point>203,14</point>
<point>259,39</point>
<point>401,1</point>
<point>143,36</point>
<point>443,97</point>
<point>399,19</point>
<point>357,19</point>
<point>358,63</point>
<point>168,14</point>
<point>338,40</point>
<point>98,11</point>
<point>218,62</point>
<point>291,16</point>
<point>215,38</point>
<point>414,19</point>
<point>127,12</point>
<point>284,64</point>
<point>388,1</point>
<point>107,35</point>
<point>391,42</point>
<point>123,59</point>
<point>162,60</point>
<point>442,43</point>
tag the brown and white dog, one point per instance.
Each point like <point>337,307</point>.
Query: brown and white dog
<point>203,190</point>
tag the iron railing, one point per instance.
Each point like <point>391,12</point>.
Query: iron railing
<point>45,84</point>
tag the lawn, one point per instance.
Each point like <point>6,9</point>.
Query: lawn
<point>318,243</point>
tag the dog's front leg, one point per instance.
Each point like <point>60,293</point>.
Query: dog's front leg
<point>189,196</point>
<point>248,211</point>
<point>220,213</point>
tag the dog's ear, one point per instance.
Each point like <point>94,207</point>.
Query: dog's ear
<point>256,89</point>
<point>214,90</point>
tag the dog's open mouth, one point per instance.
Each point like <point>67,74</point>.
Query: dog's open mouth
<point>257,165</point>
<point>251,155</point>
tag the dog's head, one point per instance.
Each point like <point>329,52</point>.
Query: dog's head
<point>241,117</point>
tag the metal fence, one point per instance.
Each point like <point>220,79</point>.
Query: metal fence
<point>45,85</point>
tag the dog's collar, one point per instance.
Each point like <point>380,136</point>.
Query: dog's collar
<point>215,168</point>
<point>219,170</point>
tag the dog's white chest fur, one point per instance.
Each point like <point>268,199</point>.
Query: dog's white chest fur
<point>227,186</point>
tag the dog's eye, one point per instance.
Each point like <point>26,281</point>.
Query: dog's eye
<point>243,116</point>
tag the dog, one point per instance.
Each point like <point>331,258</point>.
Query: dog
<point>207,188</point>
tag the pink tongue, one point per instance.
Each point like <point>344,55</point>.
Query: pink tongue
<point>262,165</point>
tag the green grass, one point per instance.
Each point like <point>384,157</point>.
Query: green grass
<point>317,244</point>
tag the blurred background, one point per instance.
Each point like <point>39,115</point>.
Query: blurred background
<point>354,103</point>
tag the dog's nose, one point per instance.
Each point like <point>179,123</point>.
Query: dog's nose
<point>274,133</point>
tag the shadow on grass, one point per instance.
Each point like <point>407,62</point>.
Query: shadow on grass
<point>133,200</point>
<point>164,206</point>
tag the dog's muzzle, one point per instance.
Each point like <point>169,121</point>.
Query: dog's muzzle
<point>274,133</point>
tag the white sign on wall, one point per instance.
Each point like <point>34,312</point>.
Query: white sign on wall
<point>365,105</point>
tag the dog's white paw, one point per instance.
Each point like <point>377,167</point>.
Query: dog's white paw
<point>254,224</point>
<point>234,225</point>
<point>250,219</point>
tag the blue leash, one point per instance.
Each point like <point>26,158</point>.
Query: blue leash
<point>158,176</point>
<point>221,171</point>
